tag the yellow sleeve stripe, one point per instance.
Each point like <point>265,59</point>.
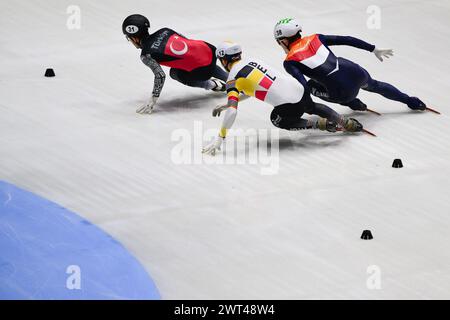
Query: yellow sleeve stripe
<point>233,93</point>
<point>223,132</point>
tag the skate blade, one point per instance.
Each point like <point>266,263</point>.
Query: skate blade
<point>368,132</point>
<point>373,111</point>
<point>363,130</point>
<point>432,110</point>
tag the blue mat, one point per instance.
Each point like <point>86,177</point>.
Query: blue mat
<point>48,252</point>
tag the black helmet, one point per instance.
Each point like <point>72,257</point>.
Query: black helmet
<point>135,25</point>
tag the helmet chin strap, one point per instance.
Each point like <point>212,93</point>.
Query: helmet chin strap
<point>282,44</point>
<point>137,42</point>
<point>285,47</point>
<point>228,64</point>
<point>224,63</point>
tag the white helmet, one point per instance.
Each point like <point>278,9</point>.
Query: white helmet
<point>228,52</point>
<point>228,49</point>
<point>286,28</point>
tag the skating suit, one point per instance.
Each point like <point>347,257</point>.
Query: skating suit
<point>255,78</point>
<point>171,49</point>
<point>312,57</point>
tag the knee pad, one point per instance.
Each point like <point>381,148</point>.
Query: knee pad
<point>278,121</point>
<point>275,118</point>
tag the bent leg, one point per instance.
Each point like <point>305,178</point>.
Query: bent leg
<point>389,91</point>
<point>386,90</point>
<point>355,104</point>
<point>294,123</point>
<point>318,90</point>
<point>281,118</point>
<point>321,92</point>
<point>188,79</point>
<point>319,109</point>
<point>324,111</point>
<point>289,116</point>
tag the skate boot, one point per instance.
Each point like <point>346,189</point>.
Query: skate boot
<point>325,124</point>
<point>415,103</point>
<point>220,86</point>
<point>352,125</point>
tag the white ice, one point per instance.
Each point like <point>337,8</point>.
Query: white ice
<point>226,231</point>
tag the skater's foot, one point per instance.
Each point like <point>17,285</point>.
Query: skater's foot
<point>415,103</point>
<point>326,125</point>
<point>352,125</point>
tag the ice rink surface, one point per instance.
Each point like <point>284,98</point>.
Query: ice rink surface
<point>227,231</point>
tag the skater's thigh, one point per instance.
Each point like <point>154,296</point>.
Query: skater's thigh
<point>289,110</point>
<point>179,75</point>
<point>203,73</point>
<point>199,74</point>
<point>344,85</point>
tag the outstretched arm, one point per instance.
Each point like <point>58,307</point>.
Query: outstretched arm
<point>158,82</point>
<point>346,41</point>
<point>357,43</point>
<point>228,119</point>
<point>232,105</point>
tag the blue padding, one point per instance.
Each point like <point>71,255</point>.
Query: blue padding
<point>40,240</point>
